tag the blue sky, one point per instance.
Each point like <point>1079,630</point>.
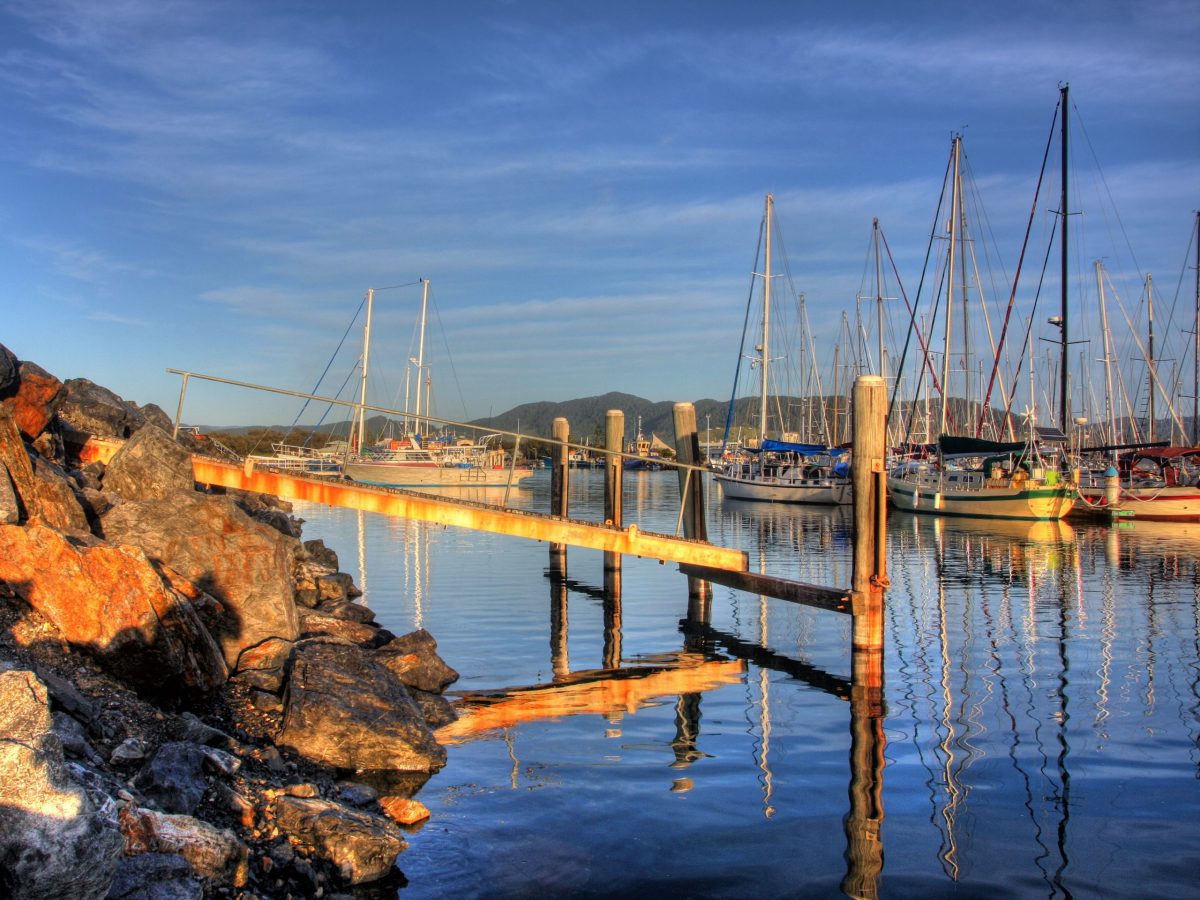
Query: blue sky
<point>212,186</point>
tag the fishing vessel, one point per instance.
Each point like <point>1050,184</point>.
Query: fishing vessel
<point>781,469</point>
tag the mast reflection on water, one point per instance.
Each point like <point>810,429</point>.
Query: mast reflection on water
<point>1036,732</point>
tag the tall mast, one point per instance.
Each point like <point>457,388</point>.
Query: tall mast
<point>879,295</point>
<point>1153,375</point>
<point>1109,411</point>
<point>1064,404</point>
<point>765,350</point>
<point>356,441</point>
<point>421,350</point>
<point>1196,348</point>
<point>955,149</point>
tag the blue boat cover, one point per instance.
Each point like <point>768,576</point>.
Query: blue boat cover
<point>803,449</point>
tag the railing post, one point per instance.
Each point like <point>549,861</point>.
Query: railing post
<point>559,483</point>
<point>691,488</point>
<point>614,467</point>
<point>179,408</point>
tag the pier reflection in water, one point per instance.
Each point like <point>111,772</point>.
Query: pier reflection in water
<point>1036,733</point>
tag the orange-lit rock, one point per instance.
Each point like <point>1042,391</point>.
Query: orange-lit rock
<point>404,811</point>
<point>33,400</point>
<point>111,602</point>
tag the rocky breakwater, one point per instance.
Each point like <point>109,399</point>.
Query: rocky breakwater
<point>192,701</point>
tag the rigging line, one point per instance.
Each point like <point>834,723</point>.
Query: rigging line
<point>742,346</point>
<point>1029,326</point>
<point>449,358</point>
<point>912,309</point>
<point>1012,297</point>
<point>1087,140</point>
<point>392,287</point>
<point>304,406</point>
<point>1179,372</point>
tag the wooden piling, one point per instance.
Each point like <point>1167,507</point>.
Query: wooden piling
<point>691,487</point>
<point>559,483</point>
<point>614,469</point>
<point>870,512</point>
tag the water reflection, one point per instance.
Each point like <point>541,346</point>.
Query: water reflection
<point>1041,733</point>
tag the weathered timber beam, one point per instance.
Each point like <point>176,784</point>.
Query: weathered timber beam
<point>770,586</point>
<point>478,516</point>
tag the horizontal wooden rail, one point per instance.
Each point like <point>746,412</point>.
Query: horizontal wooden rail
<point>770,586</point>
<point>465,514</point>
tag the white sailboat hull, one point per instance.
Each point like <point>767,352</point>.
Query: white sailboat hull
<point>1158,503</point>
<point>781,489</point>
<point>408,475</point>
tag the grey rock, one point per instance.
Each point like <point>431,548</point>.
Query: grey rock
<point>150,466</point>
<point>363,846</point>
<point>243,564</point>
<point>173,778</point>
<point>356,793</point>
<point>436,709</point>
<point>74,738</point>
<point>321,554</point>
<point>130,750</point>
<point>194,731</point>
<point>10,369</point>
<point>10,506</point>
<point>155,876</point>
<point>54,842</point>
<point>344,709</point>
<point>97,410</point>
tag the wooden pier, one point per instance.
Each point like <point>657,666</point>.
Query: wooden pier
<point>465,514</point>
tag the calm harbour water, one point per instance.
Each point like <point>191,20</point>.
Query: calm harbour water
<point>1040,738</point>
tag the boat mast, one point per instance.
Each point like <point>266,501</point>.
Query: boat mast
<point>1153,375</point>
<point>1109,411</point>
<point>764,350</point>
<point>954,226</point>
<point>1064,405</point>
<point>1196,348</point>
<point>879,295</point>
<point>421,351</point>
<point>356,441</point>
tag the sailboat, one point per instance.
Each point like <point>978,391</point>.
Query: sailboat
<point>1155,482</point>
<point>780,470</point>
<point>417,460</point>
<point>969,475</point>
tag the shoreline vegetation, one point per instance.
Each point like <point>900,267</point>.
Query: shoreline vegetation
<point>193,700</point>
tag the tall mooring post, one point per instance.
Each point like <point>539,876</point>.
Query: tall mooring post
<point>614,469</point>
<point>559,482</point>
<point>863,824</point>
<point>870,511</point>
<point>691,502</point>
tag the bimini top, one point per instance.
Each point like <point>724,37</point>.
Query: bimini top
<point>769,446</point>
<point>1165,453</point>
<point>952,445</point>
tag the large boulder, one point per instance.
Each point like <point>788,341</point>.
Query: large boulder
<point>41,494</point>
<point>363,846</point>
<point>344,709</point>
<point>245,565</point>
<point>33,399</point>
<point>113,603</point>
<point>97,410</point>
<point>54,842</point>
<point>150,466</point>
